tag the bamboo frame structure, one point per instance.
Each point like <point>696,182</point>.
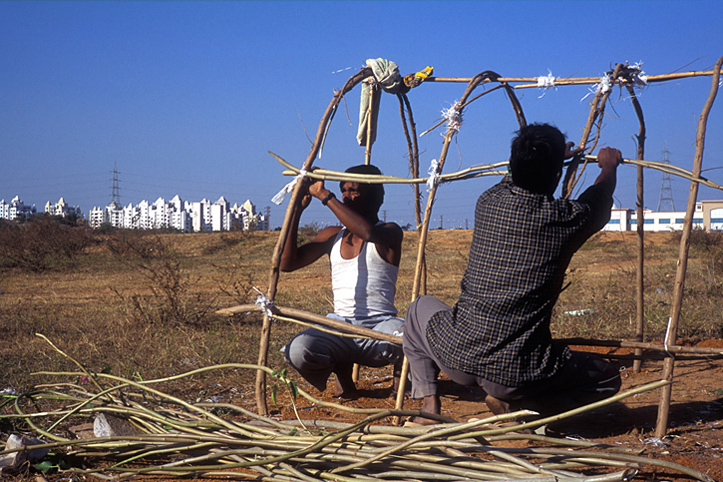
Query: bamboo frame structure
<point>621,75</point>
<point>176,438</point>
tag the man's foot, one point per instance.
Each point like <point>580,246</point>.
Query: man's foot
<point>497,406</point>
<point>430,404</point>
<point>500,407</point>
<point>344,386</point>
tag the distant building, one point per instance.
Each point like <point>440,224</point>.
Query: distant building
<point>201,216</point>
<point>708,215</point>
<point>61,208</point>
<point>15,208</point>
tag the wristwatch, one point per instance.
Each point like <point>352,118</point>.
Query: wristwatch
<point>328,198</point>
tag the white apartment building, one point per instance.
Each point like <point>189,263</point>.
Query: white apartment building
<point>202,216</point>
<point>708,215</point>
<point>61,208</point>
<point>15,208</point>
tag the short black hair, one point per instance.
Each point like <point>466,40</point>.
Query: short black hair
<point>375,191</point>
<point>536,157</point>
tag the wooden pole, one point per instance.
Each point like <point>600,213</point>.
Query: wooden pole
<point>424,228</point>
<point>413,153</point>
<point>664,405</point>
<point>640,278</point>
<point>423,231</point>
<point>261,405</point>
<point>597,107</point>
<point>703,350</point>
<point>371,116</point>
<point>531,82</point>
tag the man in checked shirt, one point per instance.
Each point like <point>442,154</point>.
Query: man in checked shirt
<point>497,335</point>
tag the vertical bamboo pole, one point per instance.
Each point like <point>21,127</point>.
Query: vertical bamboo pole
<point>597,107</point>
<point>261,405</point>
<point>640,272</point>
<point>413,152</point>
<point>370,115</point>
<point>671,334</point>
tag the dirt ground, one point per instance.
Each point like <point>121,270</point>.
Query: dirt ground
<point>694,438</point>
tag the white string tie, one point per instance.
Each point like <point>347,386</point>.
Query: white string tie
<point>264,303</point>
<point>434,179</point>
<point>638,75</point>
<point>453,116</point>
<point>545,82</point>
<point>605,84</point>
<point>667,336</point>
<point>603,87</point>
<point>279,197</point>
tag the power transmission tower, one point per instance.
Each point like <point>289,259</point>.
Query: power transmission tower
<point>115,194</point>
<point>268,217</point>
<point>665,203</point>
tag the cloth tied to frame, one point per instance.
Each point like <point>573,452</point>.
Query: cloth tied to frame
<point>414,80</point>
<point>386,75</point>
<point>434,178</point>
<point>279,196</point>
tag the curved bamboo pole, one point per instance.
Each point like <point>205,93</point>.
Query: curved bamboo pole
<point>423,231</point>
<point>640,271</point>
<point>276,258</point>
<point>295,315</point>
<point>597,108</point>
<point>413,152</point>
<point>451,131</point>
<point>664,406</point>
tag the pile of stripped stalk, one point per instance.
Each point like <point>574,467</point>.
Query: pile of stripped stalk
<point>174,438</point>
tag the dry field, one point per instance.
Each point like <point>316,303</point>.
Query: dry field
<point>141,306</point>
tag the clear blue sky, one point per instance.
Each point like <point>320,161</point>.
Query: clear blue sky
<point>187,97</point>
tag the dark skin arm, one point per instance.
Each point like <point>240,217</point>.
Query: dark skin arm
<point>352,212</point>
<point>295,257</point>
<point>608,160</point>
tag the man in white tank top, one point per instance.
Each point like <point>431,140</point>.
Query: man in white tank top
<point>364,255</point>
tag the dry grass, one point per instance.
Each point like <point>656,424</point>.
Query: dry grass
<point>105,309</point>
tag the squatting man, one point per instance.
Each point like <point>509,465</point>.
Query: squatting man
<point>364,255</point>
<point>497,335</point>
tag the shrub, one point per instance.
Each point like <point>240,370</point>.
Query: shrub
<point>40,243</point>
<point>169,296</point>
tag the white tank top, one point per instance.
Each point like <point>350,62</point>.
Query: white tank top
<point>363,286</point>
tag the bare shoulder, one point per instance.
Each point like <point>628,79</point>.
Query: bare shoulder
<point>393,230</point>
<point>327,233</point>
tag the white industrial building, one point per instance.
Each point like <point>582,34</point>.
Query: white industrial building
<point>708,216</point>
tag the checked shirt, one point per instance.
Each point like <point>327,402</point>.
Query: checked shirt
<point>521,246</point>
